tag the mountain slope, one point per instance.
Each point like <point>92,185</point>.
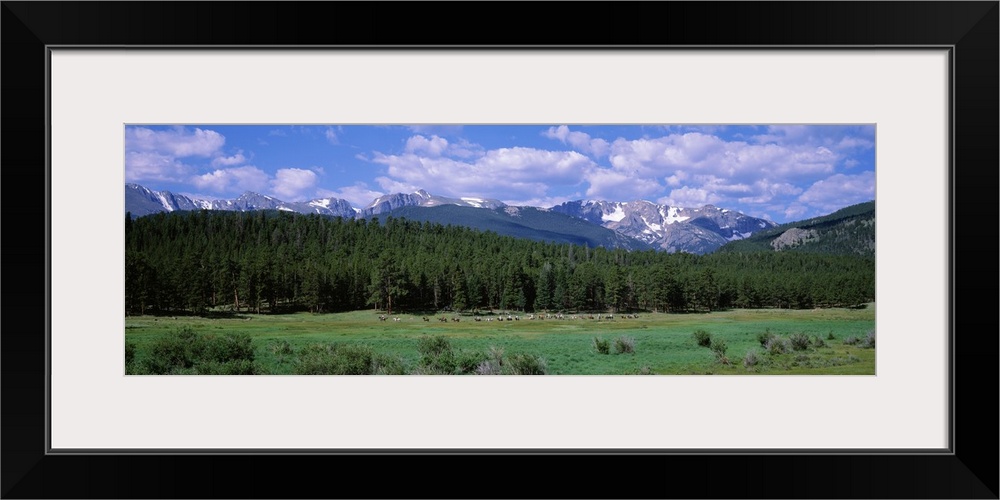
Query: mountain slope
<point>848,231</point>
<point>141,201</point>
<point>673,229</point>
<point>522,222</point>
<point>421,198</point>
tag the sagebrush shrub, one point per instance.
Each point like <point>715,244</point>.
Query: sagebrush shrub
<point>799,341</point>
<point>335,359</point>
<point>601,346</point>
<point>869,340</point>
<point>625,345</point>
<point>751,359</point>
<point>703,338</point>
<point>436,356</point>
<point>778,345</point>
<point>525,364</point>
<point>489,367</point>
<point>282,348</point>
<point>188,352</point>
<point>851,340</point>
<point>129,355</point>
<point>468,361</point>
<point>719,347</point>
<point>765,337</point>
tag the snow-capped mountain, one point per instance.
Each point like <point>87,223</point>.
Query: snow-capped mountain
<point>673,229</point>
<point>422,198</point>
<point>141,201</point>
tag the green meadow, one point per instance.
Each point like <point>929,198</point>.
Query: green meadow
<point>818,341</point>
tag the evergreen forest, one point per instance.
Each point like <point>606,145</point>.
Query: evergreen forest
<point>201,262</point>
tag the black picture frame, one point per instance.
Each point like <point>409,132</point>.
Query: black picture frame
<point>970,28</point>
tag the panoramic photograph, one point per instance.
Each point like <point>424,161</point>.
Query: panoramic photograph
<point>449,249</point>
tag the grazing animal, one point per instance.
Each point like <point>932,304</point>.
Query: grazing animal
<point>426,318</point>
<point>396,320</point>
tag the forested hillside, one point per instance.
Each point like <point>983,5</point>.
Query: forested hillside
<point>848,231</point>
<point>279,261</point>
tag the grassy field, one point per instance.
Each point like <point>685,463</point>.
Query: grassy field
<point>664,343</point>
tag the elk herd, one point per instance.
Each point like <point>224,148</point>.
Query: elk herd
<point>530,317</point>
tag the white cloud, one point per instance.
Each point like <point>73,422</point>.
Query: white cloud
<point>177,142</point>
<point>674,156</point>
<point>609,184</point>
<point>420,144</point>
<point>542,202</point>
<point>394,186</point>
<point>151,166</point>
<point>331,136</point>
<point>438,146</point>
<point>293,184</point>
<point>690,197</point>
<point>795,211</point>
<point>581,141</point>
<point>839,190</point>
<point>359,195</point>
<point>228,161</point>
<point>232,180</point>
<point>513,173</point>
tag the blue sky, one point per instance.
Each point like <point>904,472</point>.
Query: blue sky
<point>780,172</point>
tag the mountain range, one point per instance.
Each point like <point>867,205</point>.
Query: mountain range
<point>634,225</point>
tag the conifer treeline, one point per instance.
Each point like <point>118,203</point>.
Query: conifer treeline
<point>267,261</point>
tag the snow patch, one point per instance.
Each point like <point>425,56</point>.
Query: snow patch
<point>285,209</point>
<point>654,226</point>
<point>615,216</point>
<point>672,216</point>
<point>321,203</point>
<point>163,200</point>
<point>476,202</point>
<point>738,236</point>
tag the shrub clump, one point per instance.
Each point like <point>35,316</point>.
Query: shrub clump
<point>524,364</point>
<point>818,342</point>
<point>601,346</point>
<point>436,356</point>
<point>625,345</point>
<point>129,356</point>
<point>719,348</point>
<point>751,359</point>
<point>764,337</point>
<point>799,341</point>
<point>703,338</point>
<point>869,341</point>
<point>778,345</point>
<point>282,348</point>
<point>187,352</point>
<point>851,340</point>
<point>335,359</point>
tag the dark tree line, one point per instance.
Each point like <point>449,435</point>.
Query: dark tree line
<point>274,262</point>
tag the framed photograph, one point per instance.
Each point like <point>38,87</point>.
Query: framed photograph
<point>774,126</point>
